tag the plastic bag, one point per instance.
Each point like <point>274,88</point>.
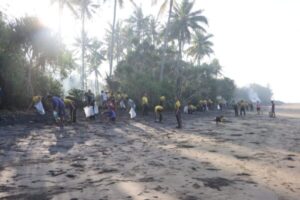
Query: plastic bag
<point>132,113</point>
<point>185,109</point>
<point>40,108</point>
<point>89,111</point>
<point>56,117</point>
<point>122,104</point>
<point>96,109</point>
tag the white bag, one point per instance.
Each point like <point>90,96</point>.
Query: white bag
<point>122,104</point>
<point>40,108</point>
<point>218,107</point>
<point>89,111</point>
<point>96,110</point>
<point>132,113</point>
<point>185,109</point>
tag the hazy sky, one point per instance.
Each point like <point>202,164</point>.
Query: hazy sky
<point>254,40</point>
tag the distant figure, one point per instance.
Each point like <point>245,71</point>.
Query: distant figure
<point>158,113</point>
<point>192,108</point>
<point>145,104</point>
<point>258,107</point>
<point>110,113</point>
<point>71,104</point>
<point>236,109</point>
<point>90,101</point>
<point>272,114</point>
<point>178,113</point>
<point>103,98</point>
<point>90,98</point>
<point>243,105</point>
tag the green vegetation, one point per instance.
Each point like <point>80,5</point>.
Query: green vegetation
<point>170,59</point>
<point>31,59</point>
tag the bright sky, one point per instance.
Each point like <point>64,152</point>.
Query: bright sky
<point>255,40</point>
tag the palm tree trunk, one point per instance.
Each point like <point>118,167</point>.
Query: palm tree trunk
<point>82,47</point>
<point>29,79</point>
<point>60,12</point>
<point>162,66</point>
<point>178,67</point>
<point>112,40</point>
<point>96,83</point>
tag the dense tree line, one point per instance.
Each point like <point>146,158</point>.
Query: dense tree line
<point>31,59</point>
<point>161,58</point>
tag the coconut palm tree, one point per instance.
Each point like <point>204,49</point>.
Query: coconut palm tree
<point>166,31</point>
<point>86,8</point>
<point>116,2</point>
<point>139,23</point>
<point>152,33</point>
<point>119,41</point>
<point>95,57</point>
<point>184,21</point>
<point>200,46</point>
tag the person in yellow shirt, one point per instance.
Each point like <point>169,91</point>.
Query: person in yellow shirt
<point>178,112</point>
<point>191,108</point>
<point>35,99</point>
<point>69,103</point>
<point>145,104</point>
<point>158,113</point>
<point>162,100</point>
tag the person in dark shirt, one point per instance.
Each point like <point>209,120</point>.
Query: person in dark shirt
<point>58,108</point>
<point>272,109</point>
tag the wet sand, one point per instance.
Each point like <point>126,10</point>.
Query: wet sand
<point>255,157</point>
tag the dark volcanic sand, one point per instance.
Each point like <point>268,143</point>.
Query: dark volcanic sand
<point>251,158</point>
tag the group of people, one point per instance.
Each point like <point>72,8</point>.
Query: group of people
<point>57,105</point>
<point>159,108</point>
<point>242,106</point>
<point>109,103</point>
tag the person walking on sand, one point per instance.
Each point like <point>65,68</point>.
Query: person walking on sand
<point>178,113</point>
<point>103,98</point>
<point>242,108</point>
<point>272,114</point>
<point>236,109</point>
<point>258,107</point>
<point>145,104</point>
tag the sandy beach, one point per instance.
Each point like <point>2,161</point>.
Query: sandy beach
<point>250,158</point>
